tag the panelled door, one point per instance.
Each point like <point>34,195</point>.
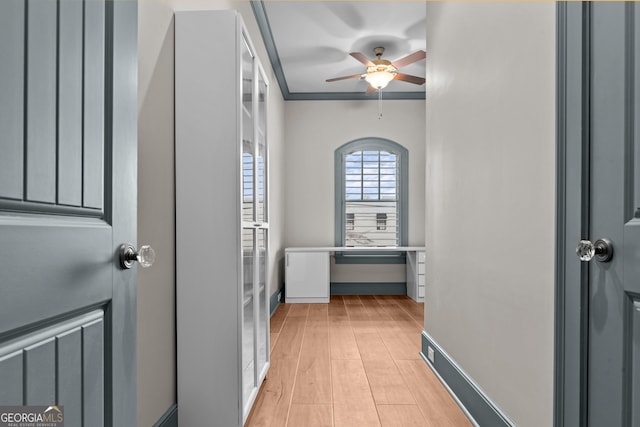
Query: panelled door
<point>600,358</point>
<point>613,362</point>
<point>68,178</point>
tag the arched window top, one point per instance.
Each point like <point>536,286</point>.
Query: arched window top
<point>371,193</point>
<point>372,143</point>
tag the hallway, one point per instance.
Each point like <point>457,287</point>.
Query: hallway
<point>352,362</point>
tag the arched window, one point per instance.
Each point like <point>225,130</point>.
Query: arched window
<point>371,193</point>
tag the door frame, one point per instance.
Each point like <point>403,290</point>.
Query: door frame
<point>572,212</point>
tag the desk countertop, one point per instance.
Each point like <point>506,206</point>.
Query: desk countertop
<point>357,249</point>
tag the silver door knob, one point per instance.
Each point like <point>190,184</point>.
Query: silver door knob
<point>128,255</point>
<point>602,250</point>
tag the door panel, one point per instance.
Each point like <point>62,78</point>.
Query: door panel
<point>11,92</point>
<point>613,286</point>
<point>67,201</point>
<point>41,101</point>
<point>62,364</point>
<point>60,158</point>
<point>70,103</point>
<point>94,104</point>
<point>607,190</point>
<point>37,272</point>
<point>631,242</point>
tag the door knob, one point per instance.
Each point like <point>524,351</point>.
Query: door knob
<point>128,255</point>
<point>602,249</point>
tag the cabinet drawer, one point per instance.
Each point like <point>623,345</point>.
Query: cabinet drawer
<point>420,257</point>
<point>421,268</point>
<point>421,280</point>
<point>421,291</point>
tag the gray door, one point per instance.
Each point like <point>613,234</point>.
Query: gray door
<point>613,364</point>
<point>68,77</point>
<point>598,302</point>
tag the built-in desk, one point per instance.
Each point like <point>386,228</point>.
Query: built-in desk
<point>307,270</point>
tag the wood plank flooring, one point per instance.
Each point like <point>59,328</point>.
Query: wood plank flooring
<point>351,363</point>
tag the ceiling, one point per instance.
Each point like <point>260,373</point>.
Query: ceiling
<point>309,42</point>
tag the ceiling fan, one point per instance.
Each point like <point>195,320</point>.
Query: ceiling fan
<point>381,71</point>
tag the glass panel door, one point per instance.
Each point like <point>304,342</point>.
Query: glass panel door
<point>248,319</point>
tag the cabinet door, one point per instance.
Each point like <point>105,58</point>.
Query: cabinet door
<point>307,277</point>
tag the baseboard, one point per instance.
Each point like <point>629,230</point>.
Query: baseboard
<point>473,401</point>
<point>169,419</point>
<point>274,301</point>
<point>368,288</point>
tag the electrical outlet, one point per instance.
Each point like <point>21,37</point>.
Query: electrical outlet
<point>279,296</point>
<point>431,354</point>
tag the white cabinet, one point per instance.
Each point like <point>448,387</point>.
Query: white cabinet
<point>415,275</point>
<point>306,277</point>
<point>221,219</point>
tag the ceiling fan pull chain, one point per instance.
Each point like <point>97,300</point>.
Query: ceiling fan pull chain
<point>379,103</point>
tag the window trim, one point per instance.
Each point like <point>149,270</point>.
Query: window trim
<point>378,144</point>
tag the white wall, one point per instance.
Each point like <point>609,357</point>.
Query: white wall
<point>156,193</point>
<point>490,198</point>
<point>313,131</point>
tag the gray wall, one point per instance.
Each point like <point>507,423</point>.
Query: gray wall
<point>490,170</point>
<point>156,194</point>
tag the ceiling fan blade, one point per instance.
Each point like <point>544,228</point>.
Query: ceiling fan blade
<point>335,79</point>
<point>360,57</point>
<point>409,59</point>
<point>409,78</point>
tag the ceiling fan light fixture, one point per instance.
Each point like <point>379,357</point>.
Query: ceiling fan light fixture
<point>379,79</point>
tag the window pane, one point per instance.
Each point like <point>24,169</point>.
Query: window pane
<point>371,198</point>
<point>353,194</point>
<point>372,223</point>
<point>247,181</point>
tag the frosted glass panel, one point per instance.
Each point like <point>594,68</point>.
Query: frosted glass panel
<point>263,302</point>
<point>261,172</point>
<point>248,138</point>
<point>261,179</point>
<point>247,181</point>
<point>248,366</point>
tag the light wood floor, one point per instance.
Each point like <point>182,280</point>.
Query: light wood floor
<point>351,363</point>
